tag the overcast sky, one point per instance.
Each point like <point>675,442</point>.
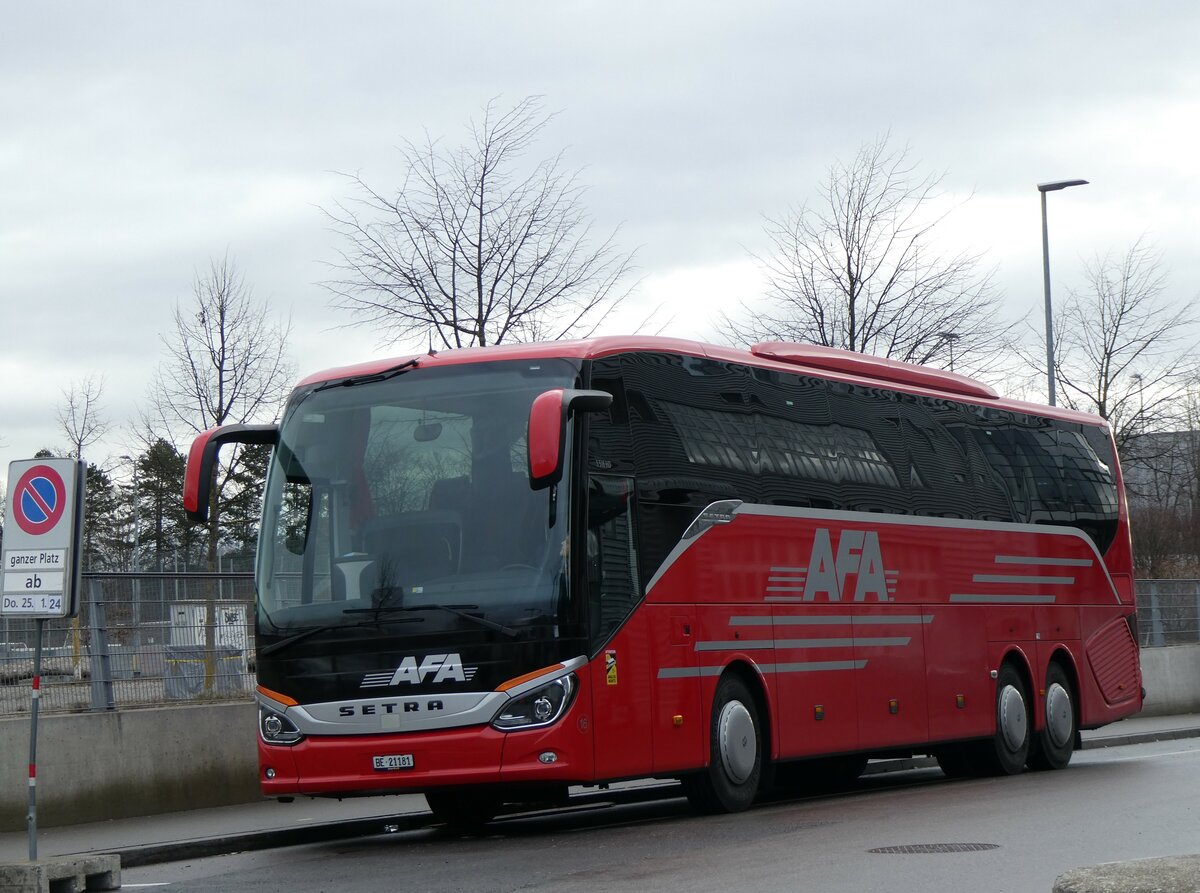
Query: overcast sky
<point>140,139</point>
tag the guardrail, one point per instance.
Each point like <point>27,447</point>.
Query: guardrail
<point>148,639</point>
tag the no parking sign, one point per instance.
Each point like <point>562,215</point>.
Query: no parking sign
<point>42,530</point>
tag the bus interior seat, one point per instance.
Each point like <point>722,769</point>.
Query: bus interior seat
<point>415,547</point>
<point>496,531</point>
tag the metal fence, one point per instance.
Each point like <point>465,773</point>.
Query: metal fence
<point>138,640</point>
<point>1168,612</point>
<point>150,639</point>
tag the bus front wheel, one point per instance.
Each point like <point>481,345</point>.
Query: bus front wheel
<point>736,748</point>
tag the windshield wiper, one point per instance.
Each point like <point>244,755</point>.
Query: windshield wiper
<point>455,610</point>
<point>382,375</point>
<point>324,628</point>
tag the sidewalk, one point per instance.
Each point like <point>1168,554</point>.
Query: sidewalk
<point>266,824</point>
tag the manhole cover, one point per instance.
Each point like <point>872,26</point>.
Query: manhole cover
<point>912,848</point>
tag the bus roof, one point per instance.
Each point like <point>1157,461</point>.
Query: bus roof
<point>821,362</point>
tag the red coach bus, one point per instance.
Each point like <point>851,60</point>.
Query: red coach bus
<point>489,574</point>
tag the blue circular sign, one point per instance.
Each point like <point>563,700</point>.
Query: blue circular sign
<point>39,500</point>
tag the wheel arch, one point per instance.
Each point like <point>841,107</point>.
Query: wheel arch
<point>1019,661</point>
<point>754,680</point>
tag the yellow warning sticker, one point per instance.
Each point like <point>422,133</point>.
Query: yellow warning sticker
<point>610,666</point>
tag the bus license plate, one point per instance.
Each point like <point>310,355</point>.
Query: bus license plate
<point>393,761</point>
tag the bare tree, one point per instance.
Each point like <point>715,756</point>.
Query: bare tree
<point>1124,351</point>
<point>80,417</point>
<point>474,249</point>
<point>226,363</point>
<point>858,272</point>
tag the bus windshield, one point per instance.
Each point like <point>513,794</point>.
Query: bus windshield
<point>405,498</point>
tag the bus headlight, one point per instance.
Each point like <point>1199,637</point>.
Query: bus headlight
<point>275,728</point>
<point>541,707</point>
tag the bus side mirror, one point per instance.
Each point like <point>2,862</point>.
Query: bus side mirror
<point>548,428</point>
<point>202,459</point>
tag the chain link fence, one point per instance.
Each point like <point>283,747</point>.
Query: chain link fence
<point>149,639</point>
<point>139,639</point>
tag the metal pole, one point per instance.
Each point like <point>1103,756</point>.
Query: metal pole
<point>1049,312</point>
<point>31,815</point>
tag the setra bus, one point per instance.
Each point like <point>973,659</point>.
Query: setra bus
<point>489,574</point>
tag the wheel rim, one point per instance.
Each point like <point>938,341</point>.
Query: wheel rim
<point>1060,717</point>
<point>1013,719</point>
<point>739,742</point>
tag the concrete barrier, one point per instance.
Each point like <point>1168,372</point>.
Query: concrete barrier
<point>97,766</point>
<point>1172,679</point>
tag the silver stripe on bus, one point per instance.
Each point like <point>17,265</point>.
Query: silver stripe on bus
<point>865,641</point>
<point>1013,578</point>
<point>736,644</point>
<point>1003,599</point>
<point>831,620</point>
<point>845,642</point>
<point>688,672</point>
<point>1050,562</point>
<point>785,589</point>
<point>768,620</point>
<point>814,666</point>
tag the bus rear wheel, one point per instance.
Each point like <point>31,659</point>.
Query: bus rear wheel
<point>736,748</point>
<point>1053,745</point>
<point>1006,752</point>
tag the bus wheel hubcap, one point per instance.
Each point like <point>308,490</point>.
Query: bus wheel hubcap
<point>1013,720</point>
<point>1059,715</point>
<point>739,742</point>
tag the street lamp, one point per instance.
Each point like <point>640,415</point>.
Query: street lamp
<point>1043,188</point>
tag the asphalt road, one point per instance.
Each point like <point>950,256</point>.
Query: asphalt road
<point>904,831</point>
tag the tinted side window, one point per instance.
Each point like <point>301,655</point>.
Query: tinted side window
<point>797,447</point>
<point>1090,483</point>
<point>870,447</point>
<point>612,571</point>
<point>690,426</point>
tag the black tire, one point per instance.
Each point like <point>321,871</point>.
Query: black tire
<point>1006,752</point>
<point>1052,747</point>
<point>736,752</point>
<point>957,760</point>
<point>462,811</point>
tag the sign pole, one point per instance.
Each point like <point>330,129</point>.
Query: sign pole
<point>31,816</point>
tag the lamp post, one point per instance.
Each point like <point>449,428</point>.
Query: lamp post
<point>1043,188</point>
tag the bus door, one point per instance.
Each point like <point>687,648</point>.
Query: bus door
<point>620,633</point>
